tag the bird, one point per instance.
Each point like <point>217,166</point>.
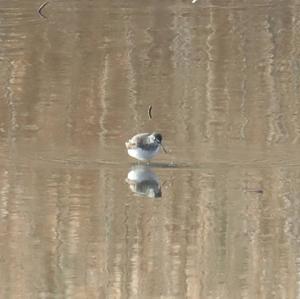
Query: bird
<point>144,146</point>
<point>143,182</point>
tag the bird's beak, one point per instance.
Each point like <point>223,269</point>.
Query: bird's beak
<point>161,145</point>
<point>163,148</point>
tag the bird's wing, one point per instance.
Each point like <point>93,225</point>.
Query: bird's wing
<point>136,140</point>
<point>139,137</point>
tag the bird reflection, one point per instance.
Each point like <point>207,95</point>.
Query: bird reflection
<point>144,182</point>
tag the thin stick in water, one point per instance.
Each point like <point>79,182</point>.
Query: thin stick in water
<point>41,8</point>
<point>149,111</point>
<point>255,190</point>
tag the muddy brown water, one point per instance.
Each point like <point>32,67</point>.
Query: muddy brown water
<point>216,217</point>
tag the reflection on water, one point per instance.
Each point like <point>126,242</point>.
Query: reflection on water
<point>223,80</point>
<point>144,182</point>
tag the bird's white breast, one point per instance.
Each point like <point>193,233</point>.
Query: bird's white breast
<point>141,154</point>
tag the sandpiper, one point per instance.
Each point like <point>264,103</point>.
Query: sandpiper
<point>144,146</point>
<point>143,182</point>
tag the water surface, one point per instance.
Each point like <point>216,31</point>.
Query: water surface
<point>216,217</point>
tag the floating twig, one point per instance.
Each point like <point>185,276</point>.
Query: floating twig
<point>149,111</point>
<point>255,191</point>
<point>41,8</point>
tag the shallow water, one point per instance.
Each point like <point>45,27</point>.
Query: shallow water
<point>216,217</point>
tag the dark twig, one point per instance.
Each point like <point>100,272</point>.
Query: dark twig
<point>149,111</point>
<point>255,190</point>
<point>41,8</point>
